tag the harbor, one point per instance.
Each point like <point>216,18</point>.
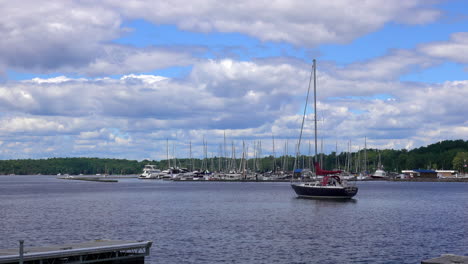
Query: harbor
<point>239,222</point>
<point>201,132</point>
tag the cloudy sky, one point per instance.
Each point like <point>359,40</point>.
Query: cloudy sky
<point>116,79</point>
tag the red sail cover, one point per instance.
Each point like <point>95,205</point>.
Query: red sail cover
<point>319,171</point>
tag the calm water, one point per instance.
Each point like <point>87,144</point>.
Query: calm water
<point>216,222</point>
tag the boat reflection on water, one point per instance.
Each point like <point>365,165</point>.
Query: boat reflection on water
<point>327,202</point>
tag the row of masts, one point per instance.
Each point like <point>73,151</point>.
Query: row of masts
<point>224,161</point>
<point>231,165</point>
<point>248,159</point>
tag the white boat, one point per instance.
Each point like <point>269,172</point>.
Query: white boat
<point>150,172</point>
<point>176,174</point>
<point>347,176</point>
<point>379,173</point>
<point>362,177</point>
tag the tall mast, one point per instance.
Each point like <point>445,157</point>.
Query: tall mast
<point>349,157</point>
<point>226,168</point>
<point>286,160</point>
<point>274,155</point>
<point>365,155</point>
<point>358,161</point>
<point>255,156</point>
<point>380,162</point>
<point>167,154</point>
<point>321,152</point>
<point>220,154</point>
<point>336,155</point>
<point>191,159</point>
<point>212,166</point>
<point>174,155</point>
<point>243,161</point>
<point>205,149</point>
<point>233,165</point>
<point>315,107</point>
<point>285,156</point>
<point>298,146</point>
<point>259,155</point>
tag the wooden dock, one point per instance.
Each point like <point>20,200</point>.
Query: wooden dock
<point>97,251</point>
<point>447,259</point>
<point>95,179</point>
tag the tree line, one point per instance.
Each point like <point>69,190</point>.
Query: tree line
<point>448,154</point>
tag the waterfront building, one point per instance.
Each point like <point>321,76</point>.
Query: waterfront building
<point>446,173</point>
<point>420,173</point>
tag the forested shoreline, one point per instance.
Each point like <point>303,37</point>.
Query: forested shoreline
<point>448,155</point>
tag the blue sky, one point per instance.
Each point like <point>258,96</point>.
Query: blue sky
<point>113,79</point>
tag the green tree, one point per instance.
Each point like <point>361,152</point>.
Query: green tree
<point>460,160</point>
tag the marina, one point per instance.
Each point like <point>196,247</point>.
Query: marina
<point>239,222</point>
<point>154,132</point>
<point>259,177</point>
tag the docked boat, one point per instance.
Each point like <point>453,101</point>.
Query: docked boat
<point>379,173</point>
<point>362,177</point>
<point>150,172</point>
<point>331,185</point>
<point>176,174</point>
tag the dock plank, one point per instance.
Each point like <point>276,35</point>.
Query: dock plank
<point>127,249</point>
<point>447,259</point>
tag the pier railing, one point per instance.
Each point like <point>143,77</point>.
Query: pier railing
<point>99,251</point>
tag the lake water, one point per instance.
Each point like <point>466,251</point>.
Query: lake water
<point>233,222</point>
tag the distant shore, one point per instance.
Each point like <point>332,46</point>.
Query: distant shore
<point>117,176</point>
<point>431,180</point>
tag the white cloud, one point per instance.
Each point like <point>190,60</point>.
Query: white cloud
<point>30,124</point>
<point>123,60</point>
<point>455,50</point>
<point>305,23</point>
<point>58,79</point>
<point>420,114</point>
<point>122,141</point>
<point>76,36</point>
<point>229,78</point>
<point>56,34</point>
<point>388,67</point>
<point>131,117</point>
<point>149,79</point>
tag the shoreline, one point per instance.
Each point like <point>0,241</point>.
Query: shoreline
<point>95,179</point>
<point>109,177</point>
<point>430,180</point>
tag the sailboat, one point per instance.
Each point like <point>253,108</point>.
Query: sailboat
<point>331,185</point>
